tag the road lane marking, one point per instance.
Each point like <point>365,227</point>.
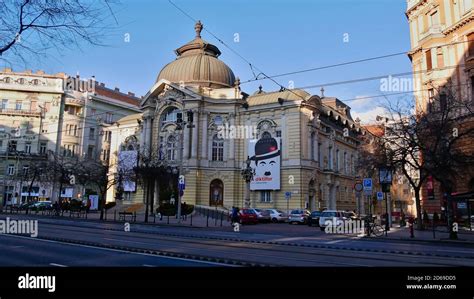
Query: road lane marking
<point>334,242</point>
<point>151,266</point>
<point>57,265</point>
<point>122,251</point>
<point>128,241</point>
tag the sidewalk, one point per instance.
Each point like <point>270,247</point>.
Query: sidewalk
<point>441,234</point>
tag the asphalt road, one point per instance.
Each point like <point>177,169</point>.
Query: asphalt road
<point>20,251</point>
<point>269,249</point>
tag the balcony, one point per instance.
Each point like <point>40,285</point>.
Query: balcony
<point>14,112</point>
<point>433,31</point>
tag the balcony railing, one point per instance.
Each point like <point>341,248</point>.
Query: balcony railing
<point>19,112</point>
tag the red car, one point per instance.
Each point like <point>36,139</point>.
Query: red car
<point>248,216</point>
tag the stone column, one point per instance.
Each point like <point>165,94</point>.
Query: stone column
<point>204,136</point>
<point>194,146</point>
<point>232,140</point>
<point>186,140</point>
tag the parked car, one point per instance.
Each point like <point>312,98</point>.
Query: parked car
<point>262,215</point>
<point>26,205</point>
<point>41,206</point>
<point>330,215</point>
<point>298,216</point>
<point>351,215</point>
<point>248,216</point>
<point>313,218</point>
<point>277,215</point>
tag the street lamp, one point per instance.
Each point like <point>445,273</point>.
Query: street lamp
<point>247,173</point>
<point>385,179</point>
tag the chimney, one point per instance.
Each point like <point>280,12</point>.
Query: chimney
<point>117,89</point>
<point>102,84</point>
<point>131,94</point>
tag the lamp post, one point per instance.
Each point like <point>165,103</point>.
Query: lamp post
<point>247,173</point>
<point>385,179</point>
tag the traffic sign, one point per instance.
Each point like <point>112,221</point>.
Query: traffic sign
<point>379,195</point>
<point>358,187</point>
<point>287,195</point>
<point>367,184</point>
<point>181,183</point>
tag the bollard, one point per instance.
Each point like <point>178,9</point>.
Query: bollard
<point>168,219</point>
<point>154,217</point>
<point>115,215</point>
<point>191,219</point>
<point>207,219</point>
<point>222,216</point>
<point>411,221</point>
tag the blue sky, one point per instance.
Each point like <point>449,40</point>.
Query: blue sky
<point>276,36</point>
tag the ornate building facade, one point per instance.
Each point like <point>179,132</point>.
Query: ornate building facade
<point>308,143</point>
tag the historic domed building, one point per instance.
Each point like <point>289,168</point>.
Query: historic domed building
<point>295,142</point>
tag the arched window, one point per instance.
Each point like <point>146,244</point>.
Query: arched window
<point>216,193</point>
<point>312,148</point>
<point>171,149</point>
<point>170,115</point>
<point>217,149</point>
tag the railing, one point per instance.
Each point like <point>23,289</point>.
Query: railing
<point>20,112</point>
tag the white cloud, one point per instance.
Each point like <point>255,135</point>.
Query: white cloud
<point>367,116</point>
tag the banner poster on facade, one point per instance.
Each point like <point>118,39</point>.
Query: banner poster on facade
<point>94,199</point>
<point>265,154</point>
<point>127,161</point>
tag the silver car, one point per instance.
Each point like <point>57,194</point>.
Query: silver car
<point>298,216</point>
<point>277,215</point>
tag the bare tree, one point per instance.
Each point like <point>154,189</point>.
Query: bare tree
<point>421,143</point>
<point>31,27</point>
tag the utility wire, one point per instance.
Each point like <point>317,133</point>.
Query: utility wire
<point>348,62</point>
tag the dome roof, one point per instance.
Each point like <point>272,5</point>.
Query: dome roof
<point>197,63</point>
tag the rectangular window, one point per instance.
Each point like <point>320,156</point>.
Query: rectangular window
<point>429,63</point>
<point>344,162</point>
<point>330,161</point>
<point>25,170</point>
<point>439,58</point>
<point>431,95</point>
<point>278,133</point>
<point>18,105</point>
<point>90,152</point>
<point>91,134</point>
<point>28,147</point>
<point>319,155</point>
<point>4,104</point>
<point>109,117</point>
<point>43,148</point>
<point>13,146</point>
<point>434,17</point>
<point>470,44</point>
<point>266,196</point>
<point>11,169</point>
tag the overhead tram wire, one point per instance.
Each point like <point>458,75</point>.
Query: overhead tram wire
<point>346,63</point>
<point>252,66</point>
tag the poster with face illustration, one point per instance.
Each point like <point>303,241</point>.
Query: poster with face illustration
<point>265,155</point>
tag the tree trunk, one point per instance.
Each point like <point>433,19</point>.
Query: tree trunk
<point>147,197</point>
<point>419,224</point>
